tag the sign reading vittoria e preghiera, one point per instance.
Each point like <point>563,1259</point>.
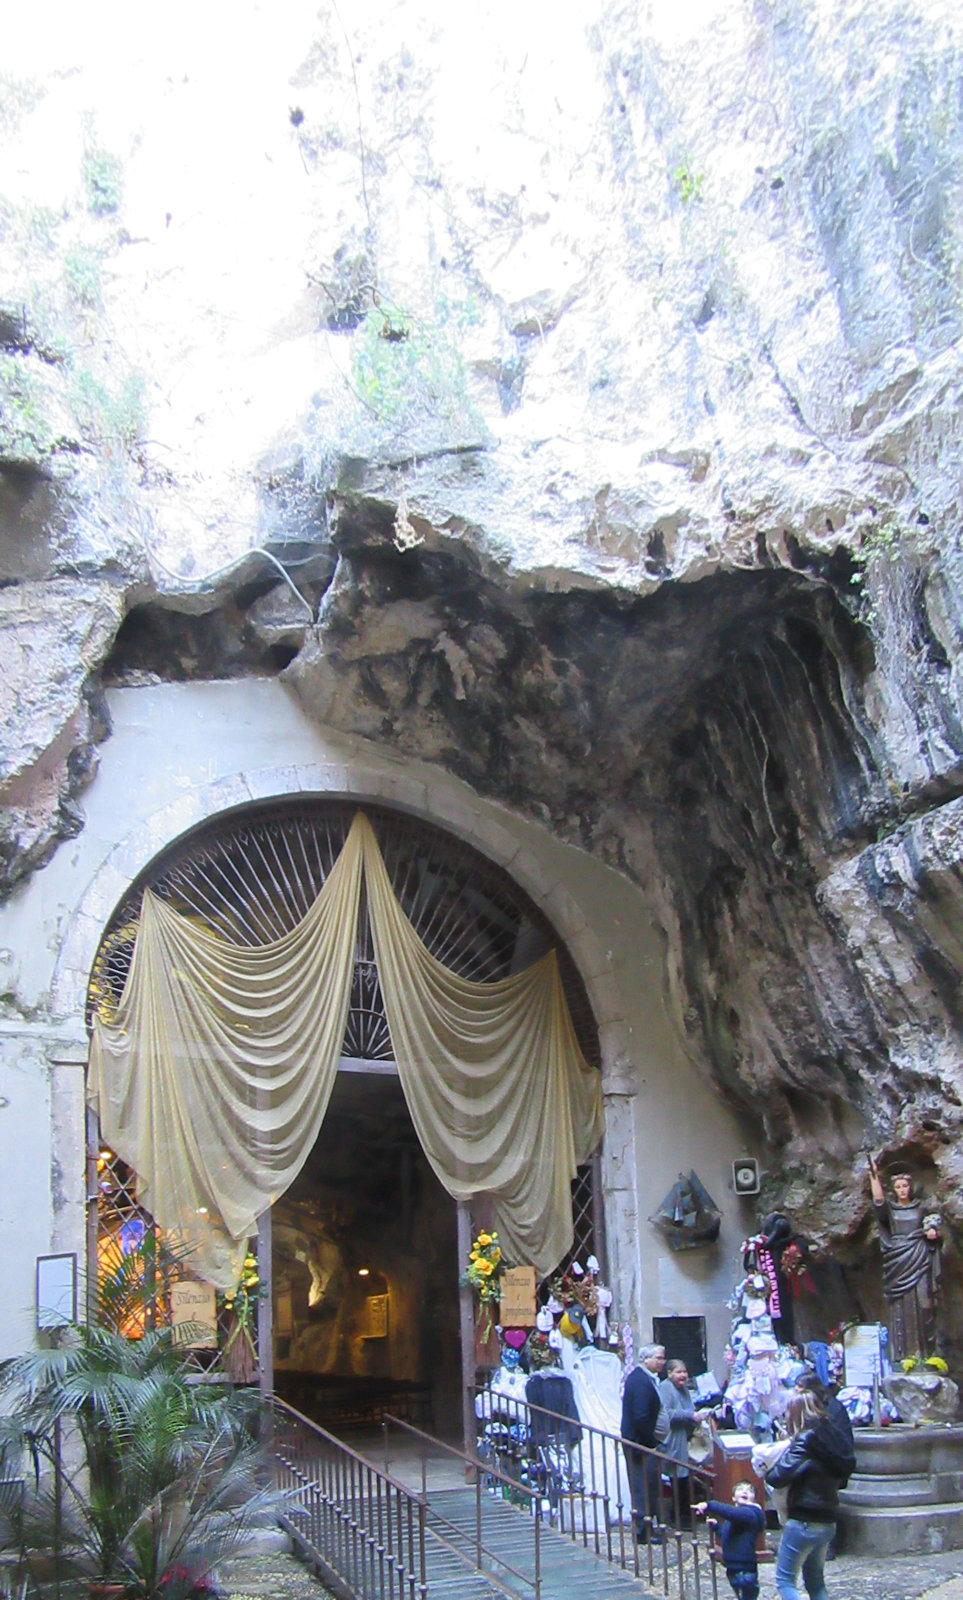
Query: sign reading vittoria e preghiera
<point>517,1305</point>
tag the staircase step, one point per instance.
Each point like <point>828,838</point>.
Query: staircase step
<point>912,1488</point>
<point>566,1567</point>
<point>916,1530</point>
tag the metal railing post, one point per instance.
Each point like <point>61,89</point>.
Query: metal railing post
<point>538,1549</point>
<point>422,1562</point>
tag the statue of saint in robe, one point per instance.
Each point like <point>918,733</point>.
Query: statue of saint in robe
<point>909,1237</point>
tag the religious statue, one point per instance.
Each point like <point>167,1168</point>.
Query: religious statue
<point>910,1238</point>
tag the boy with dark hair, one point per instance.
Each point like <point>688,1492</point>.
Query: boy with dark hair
<point>739,1527</point>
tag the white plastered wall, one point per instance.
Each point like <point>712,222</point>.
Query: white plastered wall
<point>181,753</point>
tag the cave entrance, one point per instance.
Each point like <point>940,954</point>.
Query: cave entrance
<point>361,1256</point>
<point>365,1272</point>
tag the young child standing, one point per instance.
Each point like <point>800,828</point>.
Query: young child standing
<point>739,1527</point>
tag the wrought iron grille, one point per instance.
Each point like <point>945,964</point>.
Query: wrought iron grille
<point>122,1230</point>
<point>585,1213</point>
<point>252,875</point>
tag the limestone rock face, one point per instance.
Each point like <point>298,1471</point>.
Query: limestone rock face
<point>52,638</point>
<point>595,379</point>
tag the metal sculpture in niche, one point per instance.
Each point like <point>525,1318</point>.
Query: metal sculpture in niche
<point>688,1216</point>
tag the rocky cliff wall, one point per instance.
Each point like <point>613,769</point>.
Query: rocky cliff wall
<point>596,384</point>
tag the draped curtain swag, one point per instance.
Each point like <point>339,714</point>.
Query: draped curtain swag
<point>214,1075</point>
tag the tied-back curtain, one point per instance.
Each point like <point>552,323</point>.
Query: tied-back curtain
<point>499,1094</point>
<point>214,1076</point>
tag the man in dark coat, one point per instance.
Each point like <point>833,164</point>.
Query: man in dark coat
<point>644,1422</point>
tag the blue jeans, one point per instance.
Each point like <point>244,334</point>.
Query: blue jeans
<point>803,1544</point>
<point>744,1582</point>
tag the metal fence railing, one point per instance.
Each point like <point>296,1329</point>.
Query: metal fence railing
<point>356,1523</point>
<point>466,1522</point>
<point>384,1530</point>
<point>627,1504</point>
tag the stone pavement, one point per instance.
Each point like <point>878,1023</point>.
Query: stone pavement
<point>278,1576</point>
<point>919,1577</point>
<point>938,1577</point>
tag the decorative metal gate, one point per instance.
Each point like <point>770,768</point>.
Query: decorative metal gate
<point>251,875</point>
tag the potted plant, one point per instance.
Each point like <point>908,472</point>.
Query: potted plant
<point>136,1472</point>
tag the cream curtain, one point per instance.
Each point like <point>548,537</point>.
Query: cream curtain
<point>499,1094</point>
<point>214,1076</point>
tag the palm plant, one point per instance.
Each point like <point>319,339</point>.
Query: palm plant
<point>168,1477</point>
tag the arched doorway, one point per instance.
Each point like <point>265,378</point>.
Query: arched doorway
<point>251,875</point>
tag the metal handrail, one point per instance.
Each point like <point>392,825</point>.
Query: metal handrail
<point>585,1471</point>
<point>362,1528</point>
<point>367,1532</point>
<point>480,1469</point>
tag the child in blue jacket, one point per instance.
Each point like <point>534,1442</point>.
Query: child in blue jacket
<point>739,1527</point>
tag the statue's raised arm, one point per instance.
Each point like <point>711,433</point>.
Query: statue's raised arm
<point>875,1181</point>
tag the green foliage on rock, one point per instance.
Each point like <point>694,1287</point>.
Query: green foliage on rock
<point>112,418</point>
<point>405,369</point>
<point>50,407</point>
<point>688,181</point>
<point>406,391</point>
<point>59,400</point>
<point>25,432</point>
<point>82,278</point>
<point>882,544</point>
<point>103,181</point>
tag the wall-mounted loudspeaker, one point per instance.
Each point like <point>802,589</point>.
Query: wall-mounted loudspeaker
<point>745,1175</point>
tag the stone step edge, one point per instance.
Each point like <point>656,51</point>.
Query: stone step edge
<point>859,1479</point>
<point>945,1508</point>
<point>934,1488</point>
<point>892,1503</point>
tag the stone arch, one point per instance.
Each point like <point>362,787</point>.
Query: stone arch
<point>130,856</point>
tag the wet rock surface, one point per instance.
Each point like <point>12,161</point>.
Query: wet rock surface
<point>613,462</point>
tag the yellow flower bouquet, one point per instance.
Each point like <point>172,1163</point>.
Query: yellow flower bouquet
<point>924,1364</point>
<point>240,1352</point>
<point>483,1272</point>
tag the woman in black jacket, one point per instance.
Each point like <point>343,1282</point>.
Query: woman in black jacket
<point>816,1466</point>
